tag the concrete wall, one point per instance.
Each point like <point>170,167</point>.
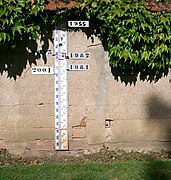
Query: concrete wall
<point>101,109</point>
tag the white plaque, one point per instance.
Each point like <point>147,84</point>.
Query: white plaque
<point>42,70</point>
<point>77,55</point>
<point>78,67</point>
<point>78,23</point>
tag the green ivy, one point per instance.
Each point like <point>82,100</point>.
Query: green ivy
<point>18,17</point>
<point>135,37</point>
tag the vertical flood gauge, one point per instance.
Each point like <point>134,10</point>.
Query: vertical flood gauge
<point>60,83</point>
<point>60,91</point>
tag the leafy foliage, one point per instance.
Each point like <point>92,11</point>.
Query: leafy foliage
<point>18,17</point>
<point>137,39</point>
<point>22,22</point>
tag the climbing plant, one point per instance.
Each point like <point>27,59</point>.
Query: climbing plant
<point>22,22</point>
<point>18,17</point>
<point>136,38</point>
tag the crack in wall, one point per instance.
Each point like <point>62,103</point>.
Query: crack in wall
<point>25,104</point>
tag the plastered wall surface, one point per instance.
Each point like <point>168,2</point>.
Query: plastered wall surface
<point>101,109</point>
<point>26,108</point>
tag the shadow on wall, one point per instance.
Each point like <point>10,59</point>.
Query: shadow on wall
<point>159,111</point>
<point>158,108</point>
<point>13,60</point>
<point>132,73</point>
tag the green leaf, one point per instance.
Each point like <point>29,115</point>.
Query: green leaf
<point>2,36</point>
<point>125,54</point>
<point>94,4</point>
<point>157,52</point>
<point>17,28</point>
<point>163,47</point>
<point>21,3</point>
<point>116,12</point>
<point>144,55</point>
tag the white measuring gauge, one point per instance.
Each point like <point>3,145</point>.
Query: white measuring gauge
<point>61,100</point>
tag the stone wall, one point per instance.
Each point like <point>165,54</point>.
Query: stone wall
<point>102,109</point>
<point>26,110</point>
